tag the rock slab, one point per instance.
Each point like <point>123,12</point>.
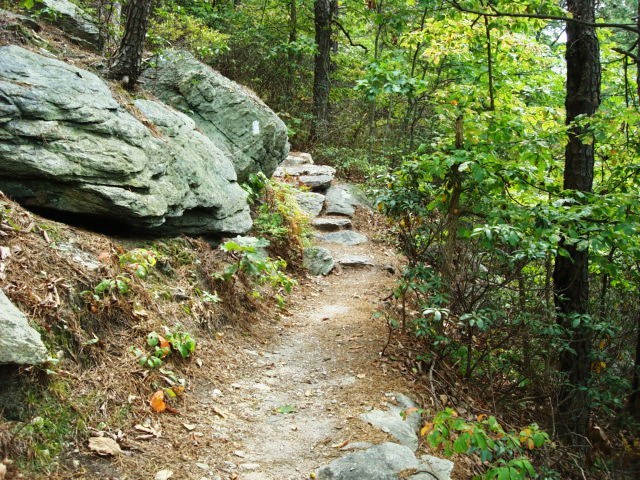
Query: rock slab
<point>67,145</point>
<point>340,201</point>
<point>381,462</point>
<point>20,344</point>
<point>330,224</point>
<point>232,116</point>
<point>344,237</point>
<point>74,21</point>
<point>391,421</point>
<point>310,202</point>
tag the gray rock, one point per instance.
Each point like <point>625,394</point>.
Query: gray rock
<point>205,175</point>
<point>310,202</point>
<point>440,468</point>
<point>11,20</point>
<point>316,182</point>
<point>382,462</point>
<point>233,117</point>
<point>305,169</point>
<point>392,422</point>
<point>297,158</point>
<point>340,201</point>
<point>318,260</point>
<point>67,145</point>
<point>19,343</point>
<point>344,237</point>
<point>74,21</point>
<point>330,224</point>
<point>356,261</point>
<point>79,256</point>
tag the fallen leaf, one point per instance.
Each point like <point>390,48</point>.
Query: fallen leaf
<point>219,411</point>
<point>3,471</point>
<point>164,343</point>
<point>104,446</point>
<point>157,402</point>
<point>341,444</point>
<point>189,426</point>
<point>164,475</point>
<point>5,252</point>
<point>361,375</point>
<point>426,429</point>
<point>286,409</point>
<point>150,431</point>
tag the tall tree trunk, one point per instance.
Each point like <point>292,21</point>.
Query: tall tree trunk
<point>127,61</point>
<point>323,16</point>
<point>570,276</point>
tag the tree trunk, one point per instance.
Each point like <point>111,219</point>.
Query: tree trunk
<point>323,16</point>
<point>570,276</point>
<point>127,61</point>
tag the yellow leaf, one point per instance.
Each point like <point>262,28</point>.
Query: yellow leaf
<point>426,429</point>
<point>530,444</point>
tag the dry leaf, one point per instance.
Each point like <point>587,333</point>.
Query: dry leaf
<point>157,402</point>
<point>151,431</point>
<point>164,475</point>
<point>104,446</point>
<point>189,426</point>
<point>5,252</point>
<point>3,471</point>
<point>426,429</point>
<point>341,444</point>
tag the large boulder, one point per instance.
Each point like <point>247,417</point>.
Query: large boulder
<point>72,20</point>
<point>20,344</point>
<point>231,115</point>
<point>67,145</point>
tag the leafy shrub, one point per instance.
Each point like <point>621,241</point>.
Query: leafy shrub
<point>279,217</point>
<point>502,454</point>
<point>257,266</point>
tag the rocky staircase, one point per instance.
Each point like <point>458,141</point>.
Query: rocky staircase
<point>330,205</point>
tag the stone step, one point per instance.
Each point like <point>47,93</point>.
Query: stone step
<point>332,224</point>
<point>344,237</point>
<point>356,261</point>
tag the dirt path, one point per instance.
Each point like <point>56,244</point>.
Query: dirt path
<point>297,395</point>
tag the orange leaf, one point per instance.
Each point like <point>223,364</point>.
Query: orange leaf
<point>163,342</point>
<point>157,402</point>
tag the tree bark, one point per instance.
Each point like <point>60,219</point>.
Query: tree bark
<point>127,62</point>
<point>323,16</point>
<point>570,276</point>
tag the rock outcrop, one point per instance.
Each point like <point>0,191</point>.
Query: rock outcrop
<point>20,344</point>
<point>233,117</point>
<point>67,145</point>
<point>72,20</point>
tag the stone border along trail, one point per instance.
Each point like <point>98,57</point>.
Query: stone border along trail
<point>304,404</point>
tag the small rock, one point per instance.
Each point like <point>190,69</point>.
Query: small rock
<point>297,158</point>
<point>318,260</point>
<point>202,466</point>
<point>165,474</point>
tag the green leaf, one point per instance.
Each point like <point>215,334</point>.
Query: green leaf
<point>285,409</point>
